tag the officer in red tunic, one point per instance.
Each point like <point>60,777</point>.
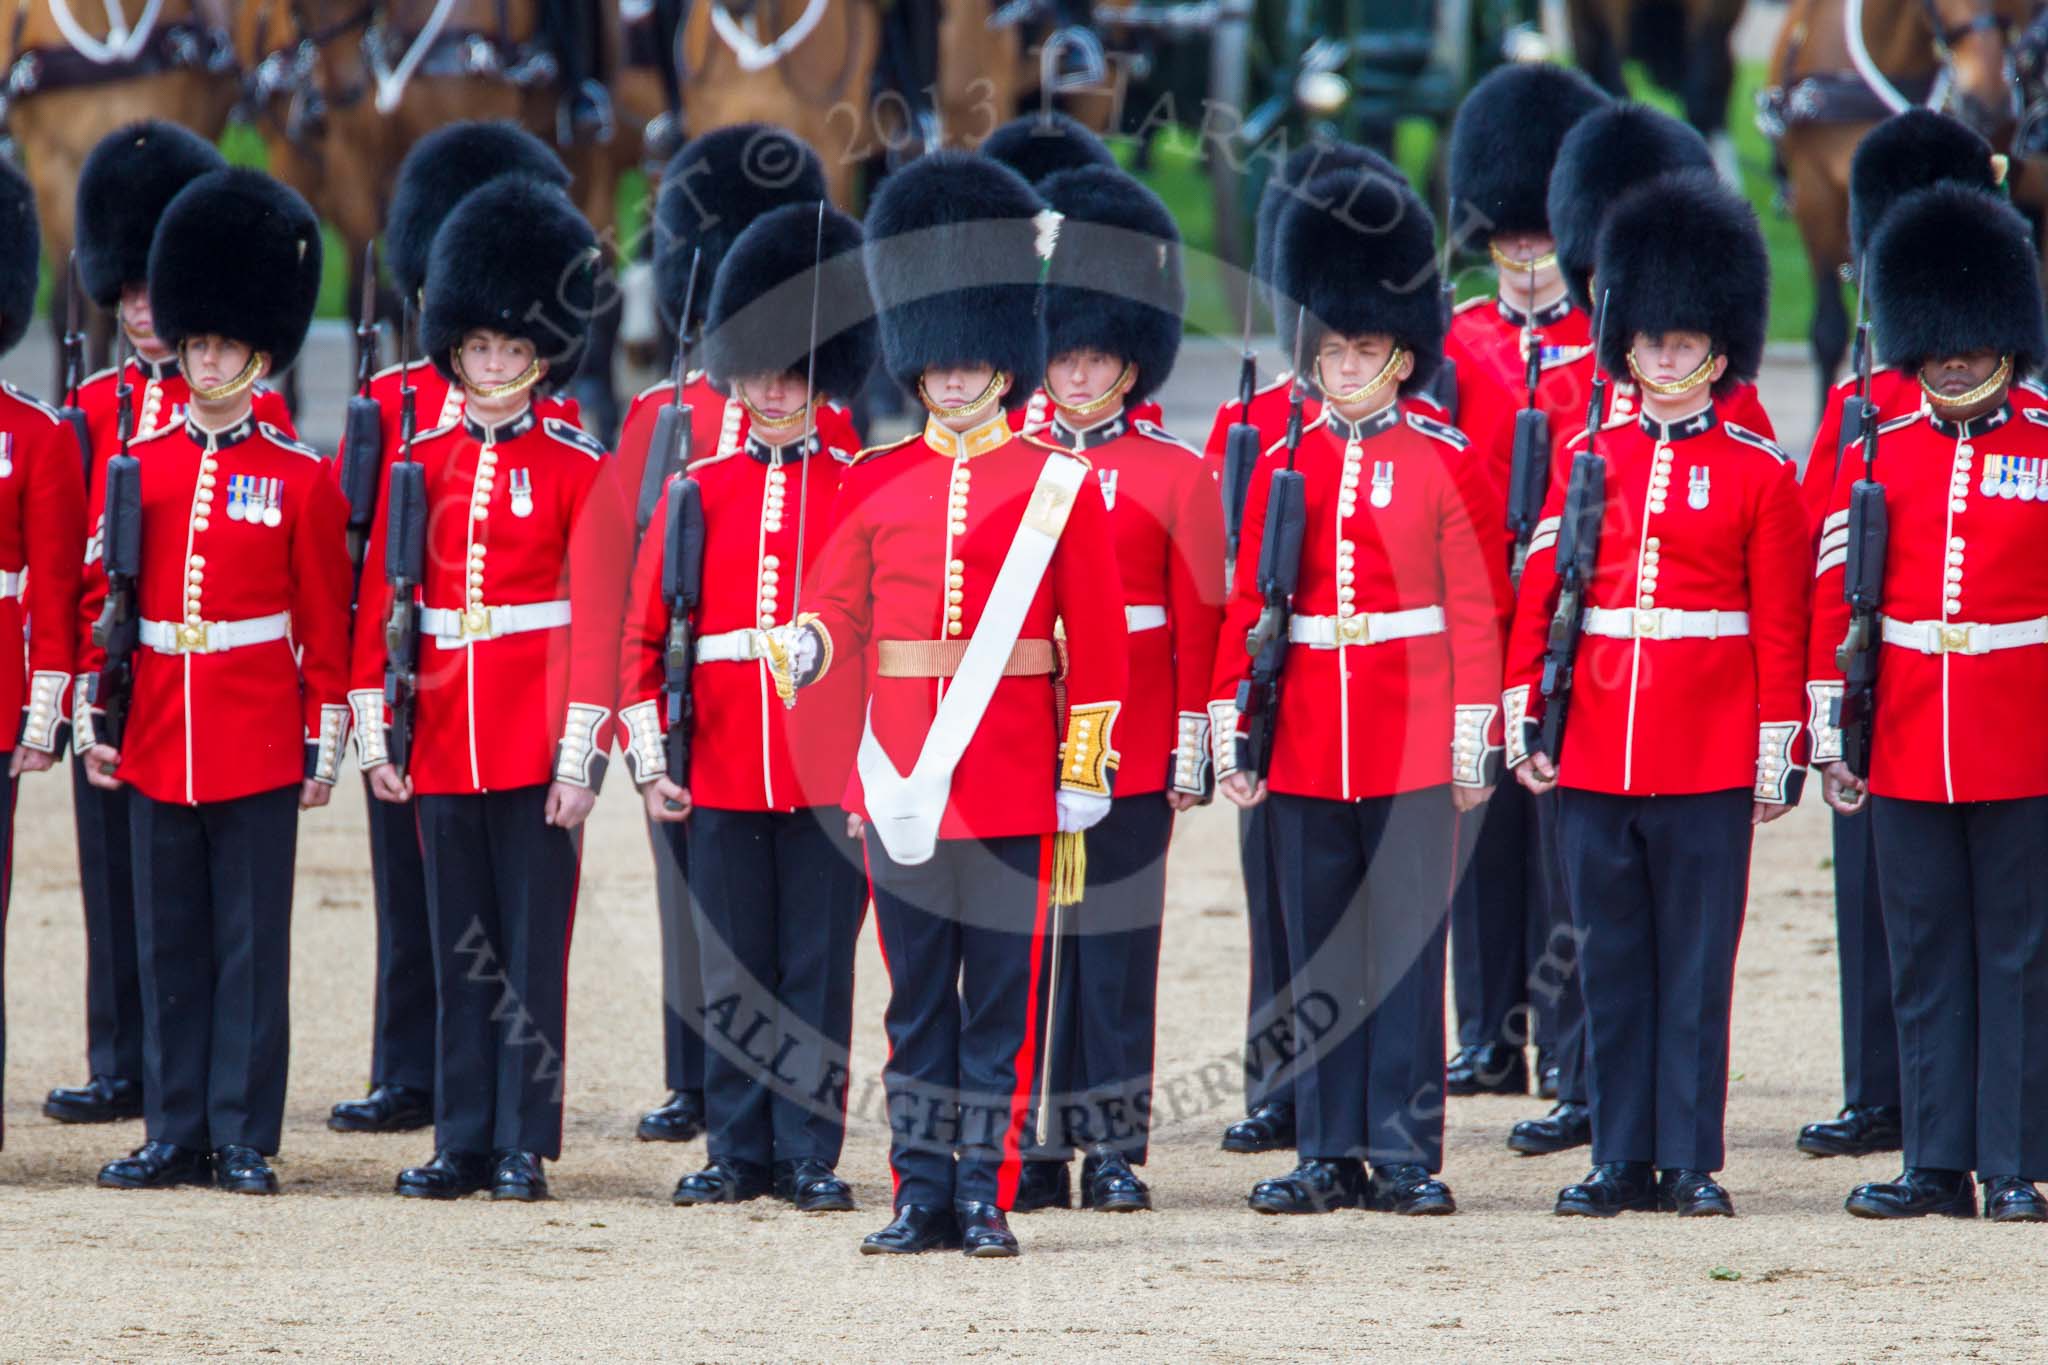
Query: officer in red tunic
<point>1958,794</point>
<point>957,551</point>
<point>1114,298</point>
<point>435,175</point>
<point>1684,720</point>
<point>42,524</point>
<point>238,714</point>
<point>777,877</point>
<point>1385,714</point>
<point>1907,152</point>
<point>1510,951</point>
<point>525,579</point>
<point>127,179</point>
<point>711,190</point>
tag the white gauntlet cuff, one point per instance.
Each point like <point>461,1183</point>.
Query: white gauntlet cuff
<point>578,763</point>
<point>1223,737</point>
<point>83,732</point>
<point>367,704</point>
<point>1515,724</point>
<point>1820,721</point>
<point>323,752</point>
<point>44,714</point>
<point>1474,762</point>
<point>1193,769</point>
<point>646,746</point>
<point>1777,779</point>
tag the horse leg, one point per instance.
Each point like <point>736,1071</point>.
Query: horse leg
<point>1595,48</point>
<point>1828,334</point>
<point>1709,79</point>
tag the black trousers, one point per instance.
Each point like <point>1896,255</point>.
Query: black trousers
<point>1109,983</point>
<point>1870,1033</point>
<point>1556,986</point>
<point>402,1025</point>
<point>501,896</point>
<point>965,939</point>
<point>1269,1012</point>
<point>682,979</point>
<point>8,791</point>
<point>106,883</point>
<point>1658,886</point>
<point>780,898</point>
<point>213,928</point>
<point>1500,924</point>
<point>1966,915</point>
<point>1365,888</point>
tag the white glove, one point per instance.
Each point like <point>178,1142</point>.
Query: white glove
<point>1080,810</point>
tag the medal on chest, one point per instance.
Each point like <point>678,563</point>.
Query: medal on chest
<point>6,454</point>
<point>255,501</point>
<point>1698,487</point>
<point>1105,477</point>
<point>522,492</point>
<point>1382,483</point>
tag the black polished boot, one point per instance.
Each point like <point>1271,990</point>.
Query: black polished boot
<point>157,1166</point>
<point>1408,1190</point>
<point>518,1176</point>
<point>1917,1192</point>
<point>812,1186</point>
<point>1693,1194</point>
<point>1566,1126</point>
<point>1109,1185</point>
<point>984,1232</point>
<point>1043,1185</point>
<point>2009,1199</point>
<point>450,1175</point>
<point>1858,1130</point>
<point>1611,1188</point>
<point>386,1109</point>
<point>723,1181</point>
<point>242,1170</point>
<point>1547,1072</point>
<point>1314,1186</point>
<point>1268,1128</point>
<point>679,1119</point>
<point>103,1099</point>
<point>915,1228</point>
<point>1491,1069</point>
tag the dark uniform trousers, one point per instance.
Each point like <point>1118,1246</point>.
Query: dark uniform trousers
<point>682,979</point>
<point>1870,1034</point>
<point>1106,1005</point>
<point>1966,913</point>
<point>106,883</point>
<point>1556,983</point>
<point>1365,888</point>
<point>402,1026</point>
<point>1658,886</point>
<point>963,936</point>
<point>780,897</point>
<point>501,897</point>
<point>8,791</point>
<point>1500,924</point>
<point>213,929</point>
<point>1269,1012</point>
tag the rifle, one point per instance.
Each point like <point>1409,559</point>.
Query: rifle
<point>1444,387</point>
<point>1852,413</point>
<point>669,449</point>
<point>405,560</point>
<point>71,414</point>
<point>118,631</point>
<point>362,442</point>
<point>682,586</point>
<point>1578,546</point>
<point>1862,574</point>
<point>1258,695</point>
<point>1529,465</point>
<point>1241,446</point>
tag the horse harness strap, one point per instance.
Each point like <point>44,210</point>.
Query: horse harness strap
<point>168,47</point>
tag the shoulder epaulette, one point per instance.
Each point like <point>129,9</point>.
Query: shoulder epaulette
<point>1159,433</point>
<point>2038,416</point>
<point>1908,419</point>
<point>38,404</point>
<point>1469,304</point>
<point>569,434</point>
<point>1757,439</point>
<point>288,442</point>
<point>884,448</point>
<point>141,436</point>
<point>1429,426</point>
<point>656,387</point>
<point>718,458</point>
<point>431,432</point>
<point>97,375</point>
<point>2032,386</point>
<point>413,364</point>
<point>1280,381</point>
<point>1322,419</point>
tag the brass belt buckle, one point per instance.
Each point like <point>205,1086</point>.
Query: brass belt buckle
<point>1955,639</point>
<point>476,623</point>
<point>1354,630</point>
<point>192,639</point>
<point>1649,623</point>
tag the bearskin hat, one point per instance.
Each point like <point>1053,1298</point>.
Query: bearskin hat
<point>23,254</point>
<point>1683,253</point>
<point>1358,253</point>
<point>1953,270</point>
<point>955,243</point>
<point>516,257</point>
<point>1115,283</point>
<point>1607,152</point>
<point>442,167</point>
<point>1505,141</point>
<point>711,191</point>
<point>759,318</point>
<point>1040,144</point>
<point>1908,152</point>
<point>1283,187</point>
<point>127,181</point>
<point>238,255</point>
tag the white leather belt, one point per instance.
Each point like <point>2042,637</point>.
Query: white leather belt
<point>1147,617</point>
<point>452,629</point>
<point>730,647</point>
<point>1964,637</point>
<point>1366,628</point>
<point>1662,623</point>
<point>10,583</point>
<point>211,637</point>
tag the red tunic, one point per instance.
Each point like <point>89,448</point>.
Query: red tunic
<point>718,426</point>
<point>530,511</point>
<point>1968,518</point>
<point>216,726</point>
<point>42,525</point>
<point>1356,719</point>
<point>1701,515</point>
<point>885,578</point>
<point>747,750</point>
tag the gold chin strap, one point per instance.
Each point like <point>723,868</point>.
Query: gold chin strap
<point>238,384</point>
<point>1095,407</point>
<point>1676,387</point>
<point>763,422</point>
<point>519,383</point>
<point>1519,266</point>
<point>1997,381</point>
<point>975,404</point>
<point>1372,386</point>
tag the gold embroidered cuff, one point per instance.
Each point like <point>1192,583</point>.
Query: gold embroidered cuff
<point>1223,737</point>
<point>1474,762</point>
<point>1820,721</point>
<point>367,703</point>
<point>44,712</point>
<point>83,733</point>
<point>1777,778</point>
<point>1514,705</point>
<point>323,751</point>
<point>1086,759</point>
<point>1193,771</point>
<point>577,760</point>
<point>646,743</point>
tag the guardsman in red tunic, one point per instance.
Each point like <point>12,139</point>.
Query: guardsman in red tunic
<point>711,190</point>
<point>958,551</point>
<point>526,555</point>
<point>777,877</point>
<point>1904,153</point>
<point>1510,940</point>
<point>1958,793</point>
<point>1382,716</point>
<point>1114,298</point>
<point>1686,706</point>
<point>435,175</point>
<point>238,714</point>
<point>42,524</point>
<point>127,179</point>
